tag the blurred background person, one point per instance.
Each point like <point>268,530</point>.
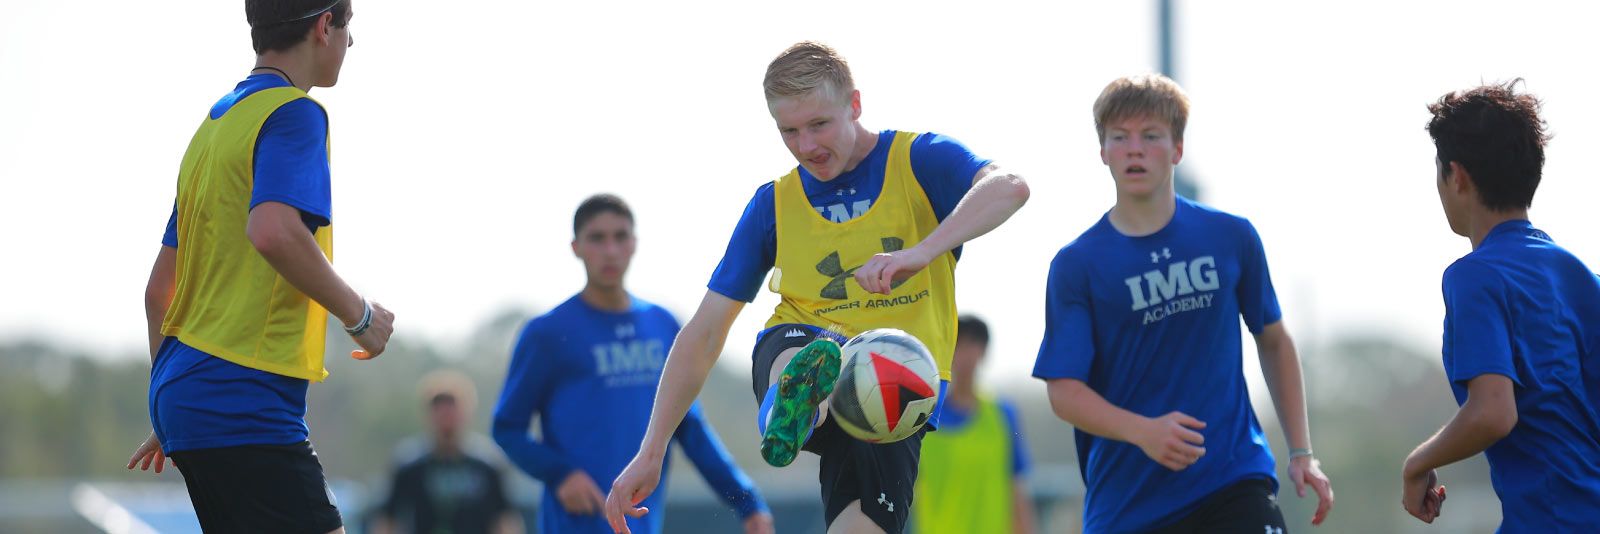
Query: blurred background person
<point>974,469</point>
<point>450,487</point>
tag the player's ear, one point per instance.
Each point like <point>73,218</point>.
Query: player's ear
<point>1462,180</point>
<point>322,31</point>
<point>575,248</point>
<point>855,104</point>
<point>1177,152</point>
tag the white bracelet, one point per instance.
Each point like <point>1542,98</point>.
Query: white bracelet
<point>366,320</point>
<point>1296,453</point>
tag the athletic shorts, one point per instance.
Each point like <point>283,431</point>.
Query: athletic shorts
<point>1246,506</point>
<point>880,475</point>
<point>259,488</point>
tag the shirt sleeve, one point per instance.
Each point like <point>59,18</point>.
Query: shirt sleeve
<point>751,251</point>
<point>291,164</point>
<point>170,237</point>
<point>1067,350</point>
<point>1020,462</point>
<point>1258,302</point>
<point>945,168</point>
<point>716,466</point>
<point>528,383</point>
<point>1477,325</point>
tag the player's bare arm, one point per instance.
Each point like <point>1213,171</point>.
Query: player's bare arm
<point>277,232</point>
<point>1280,366</point>
<point>1488,415</point>
<point>157,298</point>
<point>1171,440</point>
<point>688,363</point>
<point>994,197</point>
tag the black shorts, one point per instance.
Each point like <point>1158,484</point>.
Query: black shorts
<point>880,475</point>
<point>1248,506</point>
<point>259,488</point>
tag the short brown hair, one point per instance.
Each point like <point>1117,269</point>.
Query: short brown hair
<point>440,384</point>
<point>281,24</point>
<point>806,67</point>
<point>597,204</point>
<point>1495,133</point>
<point>1142,95</point>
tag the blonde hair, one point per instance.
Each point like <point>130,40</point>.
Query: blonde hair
<point>1152,95</point>
<point>805,67</point>
<point>448,382</point>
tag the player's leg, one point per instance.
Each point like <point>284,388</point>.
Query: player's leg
<point>794,371</point>
<point>866,487</point>
<point>259,488</point>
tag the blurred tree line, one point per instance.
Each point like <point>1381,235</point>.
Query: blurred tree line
<point>70,415</point>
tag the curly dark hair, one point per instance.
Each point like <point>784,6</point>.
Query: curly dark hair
<point>1496,134</point>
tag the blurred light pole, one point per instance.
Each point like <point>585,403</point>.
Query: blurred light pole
<point>1185,184</point>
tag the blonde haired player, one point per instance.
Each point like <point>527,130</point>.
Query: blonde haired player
<point>866,213</point>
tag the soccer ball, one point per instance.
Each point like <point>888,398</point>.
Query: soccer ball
<point>888,386</point>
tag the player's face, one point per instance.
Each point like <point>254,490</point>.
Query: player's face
<point>339,40</point>
<point>446,416</point>
<point>819,130</point>
<point>1141,153</point>
<point>605,244</point>
<point>964,365</point>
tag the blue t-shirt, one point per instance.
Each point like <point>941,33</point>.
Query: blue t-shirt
<point>1523,307</point>
<point>590,376</point>
<point>953,419</point>
<point>943,166</point>
<point>197,401</point>
<point>1151,323</point>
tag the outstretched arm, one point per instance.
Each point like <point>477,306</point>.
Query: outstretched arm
<point>1280,366</point>
<point>995,195</point>
<point>690,360</point>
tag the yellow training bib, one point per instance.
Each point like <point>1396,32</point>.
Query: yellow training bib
<point>817,259</point>
<point>229,302</point>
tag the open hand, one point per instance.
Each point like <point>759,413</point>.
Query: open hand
<point>1306,470</point>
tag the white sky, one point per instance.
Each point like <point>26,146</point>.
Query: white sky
<point>465,134</point>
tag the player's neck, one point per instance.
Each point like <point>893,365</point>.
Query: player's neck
<point>963,394</point>
<point>447,448</point>
<point>1484,221</point>
<point>291,65</point>
<point>1138,216</point>
<point>865,141</point>
<point>606,298</point>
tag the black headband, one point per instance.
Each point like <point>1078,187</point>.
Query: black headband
<point>302,17</point>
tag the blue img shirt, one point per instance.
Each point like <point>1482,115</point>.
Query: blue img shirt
<point>943,166</point>
<point>591,375</point>
<point>197,401</point>
<point>1523,307</point>
<point>1152,324</point>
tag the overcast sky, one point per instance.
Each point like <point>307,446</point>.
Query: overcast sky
<point>465,134</point>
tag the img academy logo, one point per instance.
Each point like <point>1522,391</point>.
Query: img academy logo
<point>1185,285</point>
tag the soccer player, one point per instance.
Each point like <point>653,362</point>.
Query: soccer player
<point>449,487</point>
<point>238,299</point>
<point>1142,349</point>
<point>865,212</point>
<point>1521,327</point>
<point>972,469</point>
<point>589,369</point>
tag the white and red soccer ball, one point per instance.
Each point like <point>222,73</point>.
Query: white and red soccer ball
<point>888,386</point>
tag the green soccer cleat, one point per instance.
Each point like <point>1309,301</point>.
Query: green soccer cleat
<point>806,382</point>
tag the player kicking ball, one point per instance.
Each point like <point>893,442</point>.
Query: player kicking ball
<point>863,234</point>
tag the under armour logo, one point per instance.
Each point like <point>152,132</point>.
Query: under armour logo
<point>625,330</point>
<point>831,268</point>
<point>884,500</point>
<point>1164,254</point>
<point>1273,530</point>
